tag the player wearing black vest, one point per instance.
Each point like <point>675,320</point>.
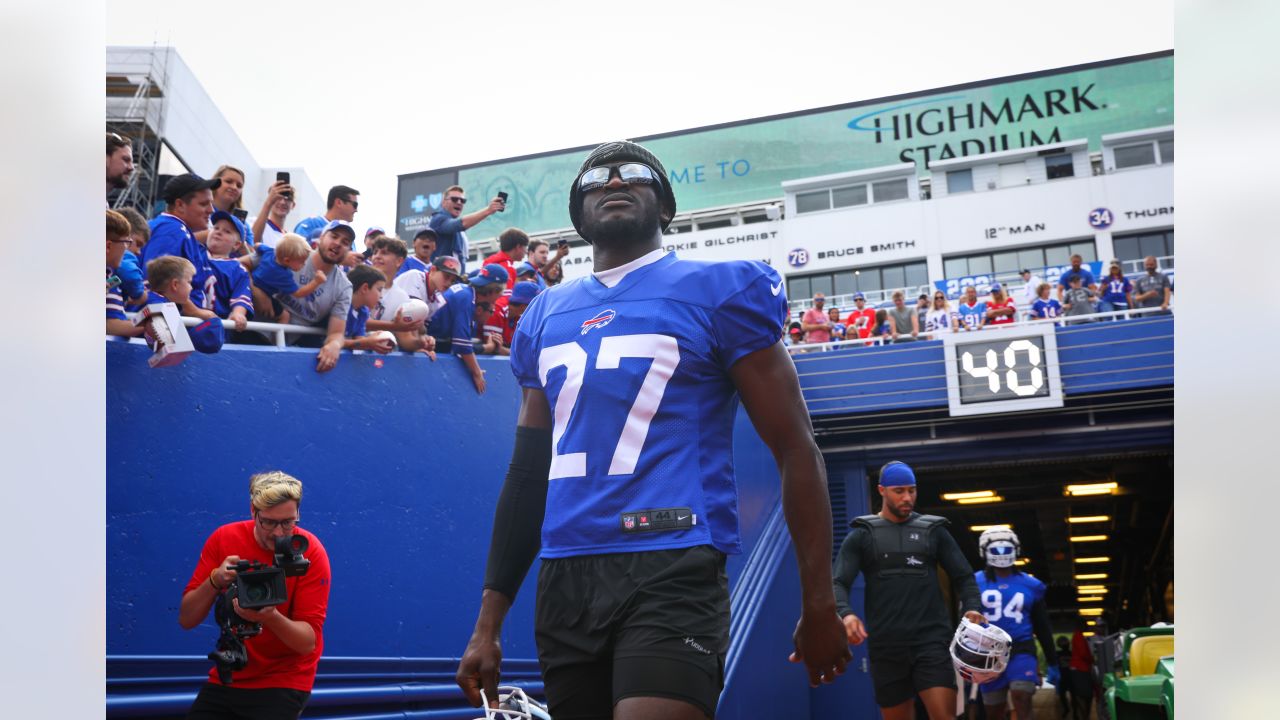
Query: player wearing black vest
<point>908,626</point>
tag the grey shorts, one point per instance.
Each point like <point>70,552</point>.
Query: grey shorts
<point>999,697</point>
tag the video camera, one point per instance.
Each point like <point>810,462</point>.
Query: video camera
<point>257,585</point>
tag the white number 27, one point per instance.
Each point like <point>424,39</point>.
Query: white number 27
<point>666,355</point>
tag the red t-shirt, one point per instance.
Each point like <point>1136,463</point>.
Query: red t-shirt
<point>271,663</point>
<point>500,320</point>
<point>1081,657</point>
<point>861,320</point>
<point>1005,319</point>
<point>501,258</point>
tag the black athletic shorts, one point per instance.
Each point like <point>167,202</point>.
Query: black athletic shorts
<point>218,702</point>
<point>899,672</point>
<point>645,624</point>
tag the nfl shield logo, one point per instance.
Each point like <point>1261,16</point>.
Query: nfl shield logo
<point>629,521</point>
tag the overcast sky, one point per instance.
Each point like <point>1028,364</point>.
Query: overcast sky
<point>358,92</point>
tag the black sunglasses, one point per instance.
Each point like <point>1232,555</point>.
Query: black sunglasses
<point>458,199</point>
<point>355,205</point>
<point>597,177</point>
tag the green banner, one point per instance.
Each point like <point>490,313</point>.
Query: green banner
<point>746,162</point>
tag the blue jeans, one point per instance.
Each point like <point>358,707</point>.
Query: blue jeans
<point>1105,306</point>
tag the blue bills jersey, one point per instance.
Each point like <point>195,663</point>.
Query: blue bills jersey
<point>1007,601</point>
<point>971,316</point>
<point>231,288</point>
<point>170,236</point>
<point>637,376</point>
<point>454,323</point>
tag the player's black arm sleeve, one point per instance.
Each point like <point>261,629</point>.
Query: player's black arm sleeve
<point>1044,632</point>
<point>953,561</point>
<point>517,521</point>
<point>846,569</point>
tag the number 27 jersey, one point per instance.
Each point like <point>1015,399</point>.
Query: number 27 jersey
<point>637,377</point>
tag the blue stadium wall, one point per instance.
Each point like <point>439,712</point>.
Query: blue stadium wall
<point>401,463</point>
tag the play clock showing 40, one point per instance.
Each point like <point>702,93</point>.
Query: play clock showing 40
<point>1000,370</point>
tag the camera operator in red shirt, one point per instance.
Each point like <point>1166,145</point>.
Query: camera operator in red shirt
<point>281,669</point>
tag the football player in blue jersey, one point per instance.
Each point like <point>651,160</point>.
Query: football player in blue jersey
<point>1014,601</point>
<point>622,471</point>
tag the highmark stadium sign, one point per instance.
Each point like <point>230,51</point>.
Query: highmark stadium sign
<point>747,161</point>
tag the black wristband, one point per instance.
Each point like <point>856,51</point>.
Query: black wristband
<point>517,520</point>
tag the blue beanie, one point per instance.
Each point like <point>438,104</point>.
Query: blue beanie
<point>897,473</point>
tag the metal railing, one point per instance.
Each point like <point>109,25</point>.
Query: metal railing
<point>1059,321</point>
<point>1012,281</point>
<point>276,332</point>
<point>845,301</point>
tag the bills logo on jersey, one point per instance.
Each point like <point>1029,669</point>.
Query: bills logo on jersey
<point>604,317</point>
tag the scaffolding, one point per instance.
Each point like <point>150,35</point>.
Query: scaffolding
<point>136,101</point>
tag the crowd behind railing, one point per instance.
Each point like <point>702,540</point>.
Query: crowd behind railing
<point>249,280</point>
<point>1077,297</point>
<point>233,278</point>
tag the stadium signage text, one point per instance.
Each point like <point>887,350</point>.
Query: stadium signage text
<point>891,126</point>
<point>1153,212</point>
<point>992,233</point>
<point>727,170</point>
<point>865,249</point>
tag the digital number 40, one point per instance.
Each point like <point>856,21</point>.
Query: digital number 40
<point>991,373</point>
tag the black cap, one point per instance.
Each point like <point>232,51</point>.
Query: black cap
<point>617,152</point>
<point>183,185</point>
<point>426,231</point>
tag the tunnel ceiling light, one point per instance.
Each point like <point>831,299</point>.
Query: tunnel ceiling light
<point>1106,488</point>
<point>1021,561</point>
<point>1088,519</point>
<point>977,500</point>
<point>984,528</point>
<point>967,495</point>
<point>1092,576</point>
<point>1090,599</point>
<point>1091,623</point>
<point>1087,560</point>
<point>1091,589</point>
<point>1090,611</point>
<point>1088,538</point>
<point>1088,633</point>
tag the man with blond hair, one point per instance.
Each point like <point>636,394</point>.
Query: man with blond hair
<point>277,680</point>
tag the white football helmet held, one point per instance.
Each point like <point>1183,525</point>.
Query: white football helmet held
<point>999,546</point>
<point>513,704</point>
<point>980,652</point>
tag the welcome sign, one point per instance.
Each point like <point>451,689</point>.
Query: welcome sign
<point>746,161</point>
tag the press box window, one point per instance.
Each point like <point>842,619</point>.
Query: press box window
<point>1166,151</point>
<point>1135,155</point>
<point>1058,166</point>
<point>813,201</point>
<point>849,196</point>
<point>889,190</point>
<point>960,181</point>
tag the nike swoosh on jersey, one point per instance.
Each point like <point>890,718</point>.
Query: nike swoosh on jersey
<point>776,288</point>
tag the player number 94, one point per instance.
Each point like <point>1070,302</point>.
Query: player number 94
<point>989,370</point>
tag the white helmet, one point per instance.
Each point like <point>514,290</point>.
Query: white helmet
<point>513,704</point>
<point>999,546</point>
<point>980,652</point>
